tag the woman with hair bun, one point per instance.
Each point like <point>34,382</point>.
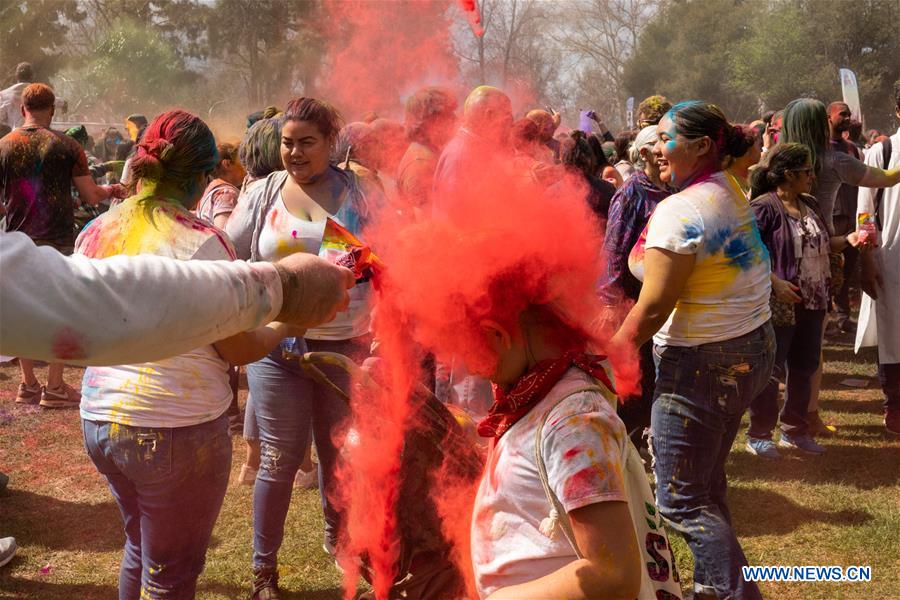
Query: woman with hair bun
<point>794,231</point>
<point>158,431</point>
<point>705,296</point>
<point>739,166</point>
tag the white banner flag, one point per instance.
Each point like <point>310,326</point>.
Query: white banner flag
<point>850,90</point>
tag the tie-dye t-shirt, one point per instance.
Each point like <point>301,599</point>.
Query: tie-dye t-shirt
<point>582,445</point>
<point>36,170</point>
<point>727,293</point>
<point>184,390</point>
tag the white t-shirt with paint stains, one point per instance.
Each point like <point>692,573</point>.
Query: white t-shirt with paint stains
<point>582,447</point>
<point>727,293</point>
<point>180,391</point>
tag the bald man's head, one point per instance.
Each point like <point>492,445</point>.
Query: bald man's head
<point>488,112</point>
<point>545,122</point>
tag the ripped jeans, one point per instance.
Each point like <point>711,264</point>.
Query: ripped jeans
<point>285,402</point>
<point>169,484</point>
<point>701,394</point>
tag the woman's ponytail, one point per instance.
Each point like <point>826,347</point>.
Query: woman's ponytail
<point>773,169</point>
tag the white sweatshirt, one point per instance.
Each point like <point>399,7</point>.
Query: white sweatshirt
<point>124,309</point>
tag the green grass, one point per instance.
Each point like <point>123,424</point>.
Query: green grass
<point>842,508</point>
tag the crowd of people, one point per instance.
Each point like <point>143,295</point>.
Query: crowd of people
<point>725,253</point>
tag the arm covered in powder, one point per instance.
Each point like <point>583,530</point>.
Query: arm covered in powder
<point>124,309</point>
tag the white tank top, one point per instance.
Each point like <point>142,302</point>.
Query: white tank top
<point>283,234</point>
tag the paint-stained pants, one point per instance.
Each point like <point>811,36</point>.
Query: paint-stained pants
<point>797,353</point>
<point>285,402</point>
<point>701,394</point>
<point>169,484</point>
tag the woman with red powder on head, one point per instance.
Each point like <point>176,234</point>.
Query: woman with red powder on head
<point>278,216</point>
<point>158,430</point>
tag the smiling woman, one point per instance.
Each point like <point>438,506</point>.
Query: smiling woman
<point>281,215</point>
<point>705,295</point>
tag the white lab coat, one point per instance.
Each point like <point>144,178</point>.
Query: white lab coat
<point>879,320</point>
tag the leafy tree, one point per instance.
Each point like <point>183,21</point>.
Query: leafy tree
<point>798,49</point>
<point>133,69</point>
<point>685,52</point>
<point>182,23</point>
<point>269,48</point>
<point>752,56</point>
<point>35,31</point>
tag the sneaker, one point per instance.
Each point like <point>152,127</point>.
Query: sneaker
<point>248,475</point>
<point>265,585</point>
<point>801,442</point>
<point>7,549</point>
<point>64,396</point>
<point>763,448</point>
<point>28,394</point>
<point>892,421</point>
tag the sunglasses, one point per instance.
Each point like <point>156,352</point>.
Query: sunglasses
<point>807,170</point>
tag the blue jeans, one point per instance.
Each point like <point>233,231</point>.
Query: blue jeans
<point>169,484</point>
<point>797,352</point>
<point>285,402</point>
<point>701,394</point>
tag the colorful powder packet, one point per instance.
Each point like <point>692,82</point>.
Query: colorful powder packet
<point>346,250</point>
<point>868,232</point>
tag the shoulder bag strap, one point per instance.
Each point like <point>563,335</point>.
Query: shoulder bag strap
<point>558,514</point>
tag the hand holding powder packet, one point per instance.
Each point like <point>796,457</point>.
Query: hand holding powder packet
<point>342,248</point>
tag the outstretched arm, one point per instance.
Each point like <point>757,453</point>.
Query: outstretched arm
<point>128,309</point>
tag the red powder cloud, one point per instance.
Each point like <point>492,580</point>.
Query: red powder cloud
<point>500,245</point>
<point>379,53</point>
